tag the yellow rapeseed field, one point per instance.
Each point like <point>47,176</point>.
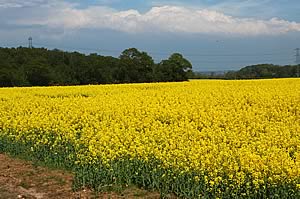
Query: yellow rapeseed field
<point>221,135</point>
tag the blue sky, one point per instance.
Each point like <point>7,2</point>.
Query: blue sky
<point>213,34</point>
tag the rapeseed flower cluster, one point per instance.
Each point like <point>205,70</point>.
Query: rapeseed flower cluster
<point>225,135</point>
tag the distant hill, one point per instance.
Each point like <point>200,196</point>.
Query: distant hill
<point>262,71</point>
<point>259,71</point>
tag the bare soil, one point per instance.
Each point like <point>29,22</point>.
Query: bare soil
<point>20,179</point>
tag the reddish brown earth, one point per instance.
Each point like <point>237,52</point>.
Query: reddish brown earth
<point>21,179</point>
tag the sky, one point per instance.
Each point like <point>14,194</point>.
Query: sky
<point>215,35</point>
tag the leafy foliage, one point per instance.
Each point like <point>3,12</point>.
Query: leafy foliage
<point>42,67</point>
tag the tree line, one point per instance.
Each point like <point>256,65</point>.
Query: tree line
<point>42,67</point>
<point>259,71</point>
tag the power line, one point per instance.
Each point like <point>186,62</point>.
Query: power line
<point>231,55</point>
<point>241,61</point>
<point>188,54</point>
<point>240,57</point>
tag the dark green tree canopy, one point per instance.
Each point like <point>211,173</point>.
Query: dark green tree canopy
<point>42,67</point>
<point>136,66</point>
<point>180,62</point>
<point>174,68</point>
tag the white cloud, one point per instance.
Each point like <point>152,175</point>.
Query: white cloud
<point>176,19</point>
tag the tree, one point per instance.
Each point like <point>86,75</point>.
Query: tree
<point>176,68</point>
<point>39,76</point>
<point>136,66</point>
<point>42,67</point>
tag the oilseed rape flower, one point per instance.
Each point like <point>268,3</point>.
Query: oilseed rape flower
<point>202,138</point>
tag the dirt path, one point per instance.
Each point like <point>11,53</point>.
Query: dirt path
<point>20,179</point>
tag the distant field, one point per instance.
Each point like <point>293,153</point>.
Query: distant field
<point>197,139</point>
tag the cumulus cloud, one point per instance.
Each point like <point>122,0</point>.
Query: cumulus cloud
<point>176,19</point>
